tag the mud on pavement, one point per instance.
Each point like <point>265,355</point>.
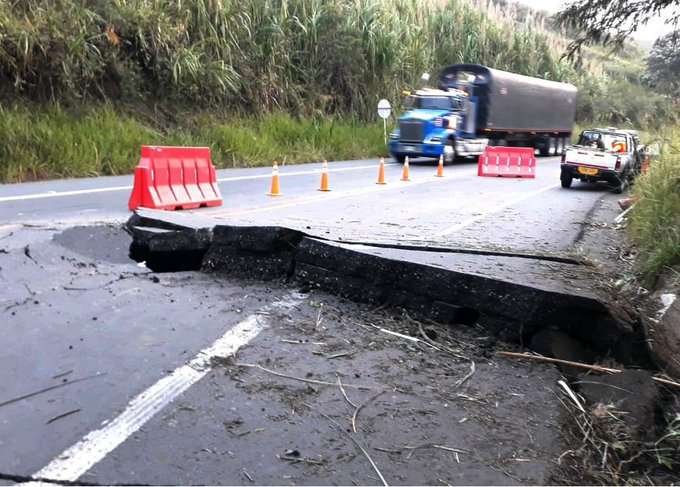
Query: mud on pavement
<point>283,411</point>
<point>430,402</point>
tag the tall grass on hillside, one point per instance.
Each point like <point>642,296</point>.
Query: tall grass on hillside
<point>255,56</point>
<point>52,142</point>
<point>252,55</point>
<point>655,220</point>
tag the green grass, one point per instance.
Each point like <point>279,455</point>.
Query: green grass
<point>324,63</point>
<point>655,220</point>
<point>54,142</point>
<point>301,56</point>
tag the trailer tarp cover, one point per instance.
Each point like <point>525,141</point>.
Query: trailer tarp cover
<point>513,102</point>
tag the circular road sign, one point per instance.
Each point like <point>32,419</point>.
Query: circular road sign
<point>384,108</point>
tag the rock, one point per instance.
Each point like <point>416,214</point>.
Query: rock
<point>632,391</point>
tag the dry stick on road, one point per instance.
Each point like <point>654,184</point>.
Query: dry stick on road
<point>427,341</point>
<point>344,394</point>
<point>47,389</point>
<point>541,358</point>
<point>594,368</point>
<point>356,443</point>
<point>433,445</point>
<point>319,318</point>
<point>360,407</point>
<point>432,343</point>
<point>301,379</point>
<point>356,408</point>
<point>63,415</point>
<point>467,376</point>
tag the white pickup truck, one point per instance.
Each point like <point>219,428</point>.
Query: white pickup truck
<point>610,155</point>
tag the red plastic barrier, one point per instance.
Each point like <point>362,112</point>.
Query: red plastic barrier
<point>173,178</point>
<point>513,162</point>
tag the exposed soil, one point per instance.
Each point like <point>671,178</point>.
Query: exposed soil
<point>425,417</point>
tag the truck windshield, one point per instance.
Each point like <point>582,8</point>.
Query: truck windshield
<point>437,103</point>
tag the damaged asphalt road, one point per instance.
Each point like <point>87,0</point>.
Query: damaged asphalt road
<point>112,329</point>
<point>72,317</point>
<point>112,373</point>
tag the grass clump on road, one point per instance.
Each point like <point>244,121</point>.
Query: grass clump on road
<point>55,142</point>
<point>655,220</point>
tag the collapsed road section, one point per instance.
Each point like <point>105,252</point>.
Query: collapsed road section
<point>511,294</point>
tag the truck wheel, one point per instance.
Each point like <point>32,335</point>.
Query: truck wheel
<point>566,179</point>
<point>400,159</point>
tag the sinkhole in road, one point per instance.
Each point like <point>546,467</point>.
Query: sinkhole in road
<point>108,243</point>
<point>554,317</point>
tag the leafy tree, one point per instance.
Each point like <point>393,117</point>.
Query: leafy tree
<point>663,64</point>
<point>611,22</point>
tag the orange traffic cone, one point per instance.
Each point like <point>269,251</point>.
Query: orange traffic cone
<point>276,190</point>
<point>405,173</point>
<point>324,177</point>
<point>440,167</point>
<point>381,172</point>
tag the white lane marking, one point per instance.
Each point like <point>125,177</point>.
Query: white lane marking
<point>55,194</point>
<point>491,211</point>
<point>73,462</point>
<point>222,214</point>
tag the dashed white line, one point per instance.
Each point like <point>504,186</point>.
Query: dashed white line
<point>73,462</point>
<point>491,211</point>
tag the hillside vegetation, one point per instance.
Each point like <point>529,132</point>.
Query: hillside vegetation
<point>655,219</point>
<point>152,68</point>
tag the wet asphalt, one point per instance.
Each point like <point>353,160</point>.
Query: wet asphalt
<point>76,310</point>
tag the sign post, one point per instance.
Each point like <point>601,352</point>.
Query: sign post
<point>384,111</point>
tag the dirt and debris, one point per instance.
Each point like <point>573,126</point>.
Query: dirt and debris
<point>403,409</point>
<point>630,430</point>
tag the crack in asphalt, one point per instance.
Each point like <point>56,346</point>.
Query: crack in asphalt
<point>27,253</point>
<point>27,479</point>
<point>587,220</point>
<point>450,250</point>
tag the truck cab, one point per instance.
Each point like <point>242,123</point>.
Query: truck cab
<point>435,119</point>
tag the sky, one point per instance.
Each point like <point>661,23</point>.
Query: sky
<point>646,35</point>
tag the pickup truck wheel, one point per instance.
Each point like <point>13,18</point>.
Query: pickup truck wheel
<point>566,179</point>
<point>621,185</point>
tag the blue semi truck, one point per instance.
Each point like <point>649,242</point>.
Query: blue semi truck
<point>476,106</point>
